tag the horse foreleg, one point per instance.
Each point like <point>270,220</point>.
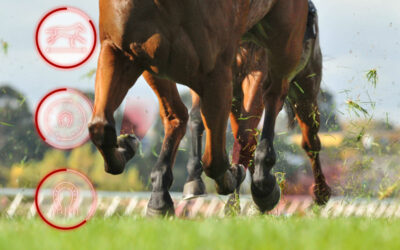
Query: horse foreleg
<point>174,117</point>
<point>194,186</point>
<point>216,98</point>
<point>285,46</point>
<point>115,75</point>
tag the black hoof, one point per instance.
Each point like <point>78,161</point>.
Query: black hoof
<point>231,180</point>
<point>160,205</point>
<point>322,194</point>
<point>194,189</point>
<point>154,213</point>
<point>232,206</point>
<point>266,202</point>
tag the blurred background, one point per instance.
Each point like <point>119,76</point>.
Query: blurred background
<point>359,107</point>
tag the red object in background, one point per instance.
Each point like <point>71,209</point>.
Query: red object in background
<point>139,116</point>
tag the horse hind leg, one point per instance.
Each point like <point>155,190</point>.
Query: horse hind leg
<point>115,75</point>
<point>194,186</point>
<point>174,117</point>
<point>306,109</point>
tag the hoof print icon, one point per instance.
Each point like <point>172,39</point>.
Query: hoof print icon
<point>65,199</point>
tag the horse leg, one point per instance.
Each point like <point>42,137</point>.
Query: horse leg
<point>245,115</point>
<point>285,26</point>
<point>174,117</point>
<point>115,76</point>
<point>216,98</point>
<point>194,185</point>
<point>306,109</point>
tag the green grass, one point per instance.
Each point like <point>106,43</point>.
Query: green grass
<point>235,233</point>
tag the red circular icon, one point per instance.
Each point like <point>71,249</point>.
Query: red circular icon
<point>66,37</point>
<point>65,199</point>
<point>61,118</point>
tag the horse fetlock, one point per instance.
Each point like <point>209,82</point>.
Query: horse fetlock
<point>322,193</point>
<point>102,134</point>
<point>161,178</point>
<point>230,180</point>
<point>265,155</point>
<point>263,183</point>
<point>194,168</point>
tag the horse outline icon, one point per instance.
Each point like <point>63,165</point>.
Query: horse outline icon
<point>73,33</point>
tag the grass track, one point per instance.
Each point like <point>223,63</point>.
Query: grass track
<point>230,233</point>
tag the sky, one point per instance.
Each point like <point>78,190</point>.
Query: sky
<point>356,36</point>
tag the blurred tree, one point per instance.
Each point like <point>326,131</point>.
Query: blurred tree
<point>19,141</point>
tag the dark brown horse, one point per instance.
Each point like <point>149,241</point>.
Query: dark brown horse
<point>193,43</point>
<point>250,73</point>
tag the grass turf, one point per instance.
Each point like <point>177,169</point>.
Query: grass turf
<point>229,233</point>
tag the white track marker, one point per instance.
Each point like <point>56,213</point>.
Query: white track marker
<point>131,206</point>
<point>391,209</point>
<point>381,210</point>
<point>371,208</point>
<point>14,205</point>
<point>361,209</point>
<point>349,209</point>
<point>327,209</point>
<point>338,209</point>
<point>32,211</point>
<point>113,206</point>
<point>196,207</point>
<point>397,213</point>
<point>211,207</point>
<point>306,204</point>
<point>293,206</point>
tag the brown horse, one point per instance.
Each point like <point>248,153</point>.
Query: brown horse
<point>250,72</point>
<point>193,43</point>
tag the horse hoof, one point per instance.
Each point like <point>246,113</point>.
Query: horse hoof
<point>160,205</point>
<point>232,206</point>
<point>322,194</point>
<point>194,189</point>
<point>128,145</point>
<point>166,212</point>
<point>268,202</point>
<point>231,180</point>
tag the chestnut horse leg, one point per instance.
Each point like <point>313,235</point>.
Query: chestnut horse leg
<point>216,98</point>
<point>285,26</point>
<point>194,186</point>
<point>305,106</point>
<point>246,112</point>
<point>115,76</point>
<point>174,117</point>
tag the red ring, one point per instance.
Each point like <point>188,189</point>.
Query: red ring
<point>52,63</point>
<point>37,202</point>
<point>37,115</point>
